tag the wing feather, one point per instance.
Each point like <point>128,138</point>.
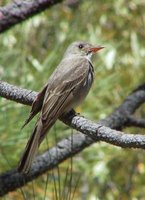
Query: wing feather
<point>54,99</point>
<point>36,105</point>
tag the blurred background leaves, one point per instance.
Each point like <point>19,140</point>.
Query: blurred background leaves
<point>29,53</point>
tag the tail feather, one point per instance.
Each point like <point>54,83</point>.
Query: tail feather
<point>33,144</point>
<point>31,150</point>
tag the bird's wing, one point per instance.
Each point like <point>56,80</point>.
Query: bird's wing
<point>58,97</point>
<point>36,105</point>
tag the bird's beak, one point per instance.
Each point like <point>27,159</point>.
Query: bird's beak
<point>95,49</point>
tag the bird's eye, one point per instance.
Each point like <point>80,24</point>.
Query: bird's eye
<point>81,46</point>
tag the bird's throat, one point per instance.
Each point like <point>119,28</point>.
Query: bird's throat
<point>89,56</point>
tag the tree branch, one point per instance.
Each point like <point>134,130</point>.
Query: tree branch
<point>19,11</point>
<point>133,121</point>
<point>93,132</point>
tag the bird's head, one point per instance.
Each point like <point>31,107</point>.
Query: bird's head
<point>81,48</point>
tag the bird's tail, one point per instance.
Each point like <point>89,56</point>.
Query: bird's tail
<point>32,148</point>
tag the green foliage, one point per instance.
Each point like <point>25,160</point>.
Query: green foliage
<point>28,55</point>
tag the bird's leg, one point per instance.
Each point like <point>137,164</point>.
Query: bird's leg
<point>69,114</point>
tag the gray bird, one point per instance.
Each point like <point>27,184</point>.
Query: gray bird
<point>66,88</point>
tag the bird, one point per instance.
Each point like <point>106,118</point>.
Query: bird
<point>66,88</point>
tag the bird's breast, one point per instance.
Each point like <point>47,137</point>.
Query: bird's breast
<point>81,92</point>
<point>90,77</point>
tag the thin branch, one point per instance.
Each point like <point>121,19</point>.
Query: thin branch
<point>18,11</point>
<point>11,180</point>
<point>133,121</point>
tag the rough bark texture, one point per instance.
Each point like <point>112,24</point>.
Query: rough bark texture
<point>19,11</point>
<point>92,132</point>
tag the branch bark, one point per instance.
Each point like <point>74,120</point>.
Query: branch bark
<point>19,11</point>
<point>92,132</point>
